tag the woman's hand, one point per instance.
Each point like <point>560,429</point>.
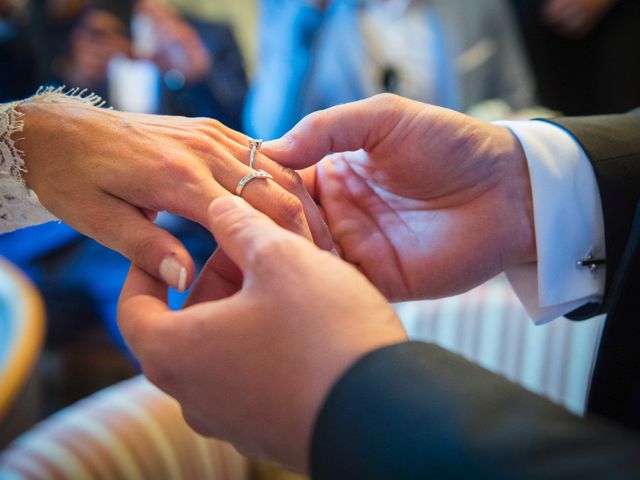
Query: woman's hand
<point>107,174</point>
<point>427,202</point>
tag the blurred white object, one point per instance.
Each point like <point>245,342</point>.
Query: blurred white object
<point>143,34</point>
<point>134,85</point>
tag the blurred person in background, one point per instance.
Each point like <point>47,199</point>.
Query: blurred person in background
<point>454,53</point>
<point>200,69</point>
<point>101,33</point>
<point>585,53</point>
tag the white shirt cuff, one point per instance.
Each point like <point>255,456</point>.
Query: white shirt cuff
<point>568,222</point>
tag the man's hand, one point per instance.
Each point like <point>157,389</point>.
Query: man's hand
<point>425,201</point>
<point>108,173</point>
<point>253,366</point>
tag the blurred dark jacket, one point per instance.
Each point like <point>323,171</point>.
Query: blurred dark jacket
<point>596,74</point>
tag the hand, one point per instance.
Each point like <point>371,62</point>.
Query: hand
<point>427,202</point>
<point>253,368</point>
<point>107,173</point>
<point>575,18</point>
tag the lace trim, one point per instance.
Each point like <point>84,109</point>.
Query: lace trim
<point>19,205</point>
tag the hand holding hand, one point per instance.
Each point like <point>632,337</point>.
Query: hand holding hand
<point>427,202</point>
<point>253,366</point>
<point>107,174</point>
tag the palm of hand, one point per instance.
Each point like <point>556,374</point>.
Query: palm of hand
<point>420,213</point>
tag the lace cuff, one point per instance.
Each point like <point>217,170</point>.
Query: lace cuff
<point>19,205</point>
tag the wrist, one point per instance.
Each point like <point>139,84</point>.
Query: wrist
<point>34,138</point>
<point>48,132</point>
<point>519,237</point>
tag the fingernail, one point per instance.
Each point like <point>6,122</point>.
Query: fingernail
<point>173,273</point>
<point>224,204</point>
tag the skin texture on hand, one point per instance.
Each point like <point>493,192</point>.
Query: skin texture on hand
<point>108,173</point>
<point>251,363</point>
<point>575,18</point>
<point>425,201</point>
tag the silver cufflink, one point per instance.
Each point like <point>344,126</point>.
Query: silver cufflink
<point>591,263</point>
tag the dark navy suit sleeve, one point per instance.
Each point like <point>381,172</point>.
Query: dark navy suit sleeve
<point>612,143</point>
<point>416,411</point>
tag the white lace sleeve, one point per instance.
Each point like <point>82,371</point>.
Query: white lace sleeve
<point>19,205</point>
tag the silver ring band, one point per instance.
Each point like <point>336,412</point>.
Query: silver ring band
<point>250,176</point>
<point>255,145</point>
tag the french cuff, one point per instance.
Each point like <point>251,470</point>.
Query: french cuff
<point>568,222</point>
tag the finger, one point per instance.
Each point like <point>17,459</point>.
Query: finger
<point>293,182</point>
<point>267,196</point>
<point>309,177</point>
<point>219,278</point>
<point>142,302</point>
<point>189,199</point>
<point>290,181</point>
<point>342,128</point>
<point>243,232</point>
<point>285,199</point>
<point>126,229</point>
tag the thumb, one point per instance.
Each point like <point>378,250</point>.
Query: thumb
<point>241,231</point>
<point>349,127</point>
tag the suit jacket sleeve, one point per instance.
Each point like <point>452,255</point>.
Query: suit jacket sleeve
<point>416,411</point>
<point>612,143</point>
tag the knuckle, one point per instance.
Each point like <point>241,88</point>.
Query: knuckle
<point>143,250</point>
<point>180,168</point>
<point>315,120</point>
<point>201,143</point>
<point>172,163</point>
<point>291,211</point>
<point>269,250</point>
<point>210,130</point>
<point>212,124</point>
<point>290,180</point>
<point>237,223</point>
